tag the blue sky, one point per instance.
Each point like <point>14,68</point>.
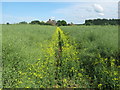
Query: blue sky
<point>76,12</point>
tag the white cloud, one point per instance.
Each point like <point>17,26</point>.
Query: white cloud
<point>98,8</point>
<point>101,14</point>
<point>74,10</point>
<point>89,10</point>
<point>78,12</point>
<point>71,13</point>
<point>52,18</point>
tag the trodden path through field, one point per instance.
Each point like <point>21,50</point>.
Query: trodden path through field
<point>61,66</point>
<point>62,55</point>
<point>58,66</point>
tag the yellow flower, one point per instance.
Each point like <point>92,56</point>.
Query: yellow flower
<point>79,74</point>
<point>40,76</point>
<point>72,68</point>
<point>20,82</point>
<point>115,73</point>
<point>118,66</point>
<point>27,87</point>
<point>64,80</point>
<point>82,69</point>
<point>20,72</point>
<point>112,64</point>
<point>106,59</point>
<point>99,85</point>
<point>35,74</point>
<point>115,79</point>
<point>113,60</point>
<point>38,59</point>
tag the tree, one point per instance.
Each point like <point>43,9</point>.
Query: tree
<point>64,23</point>
<point>35,22</point>
<point>102,22</point>
<point>61,23</point>
<point>42,23</point>
<point>7,23</point>
<point>23,22</point>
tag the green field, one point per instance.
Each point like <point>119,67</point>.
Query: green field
<point>97,39</point>
<point>37,56</point>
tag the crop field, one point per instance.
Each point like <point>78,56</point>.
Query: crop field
<point>36,56</point>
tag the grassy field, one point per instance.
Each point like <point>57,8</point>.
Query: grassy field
<point>96,39</point>
<point>21,45</point>
<point>73,56</point>
<point>1,56</point>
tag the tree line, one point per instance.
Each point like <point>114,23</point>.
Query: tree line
<point>64,23</point>
<point>50,22</point>
<point>102,22</point>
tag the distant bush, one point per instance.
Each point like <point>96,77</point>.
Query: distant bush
<point>35,22</point>
<point>23,22</point>
<point>7,23</point>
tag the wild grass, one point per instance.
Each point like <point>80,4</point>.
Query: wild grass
<point>20,46</point>
<point>97,39</point>
<point>0,56</point>
<point>98,49</point>
<point>37,56</point>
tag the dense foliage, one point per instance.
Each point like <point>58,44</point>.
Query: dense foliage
<point>61,23</point>
<point>103,22</point>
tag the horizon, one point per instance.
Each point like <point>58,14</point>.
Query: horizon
<point>14,12</point>
<point>57,20</point>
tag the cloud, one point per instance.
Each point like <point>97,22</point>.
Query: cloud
<point>101,14</point>
<point>73,13</point>
<point>78,12</point>
<point>52,18</point>
<point>89,10</point>
<point>98,8</point>
<point>74,9</point>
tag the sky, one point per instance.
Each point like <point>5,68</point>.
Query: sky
<point>76,12</point>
